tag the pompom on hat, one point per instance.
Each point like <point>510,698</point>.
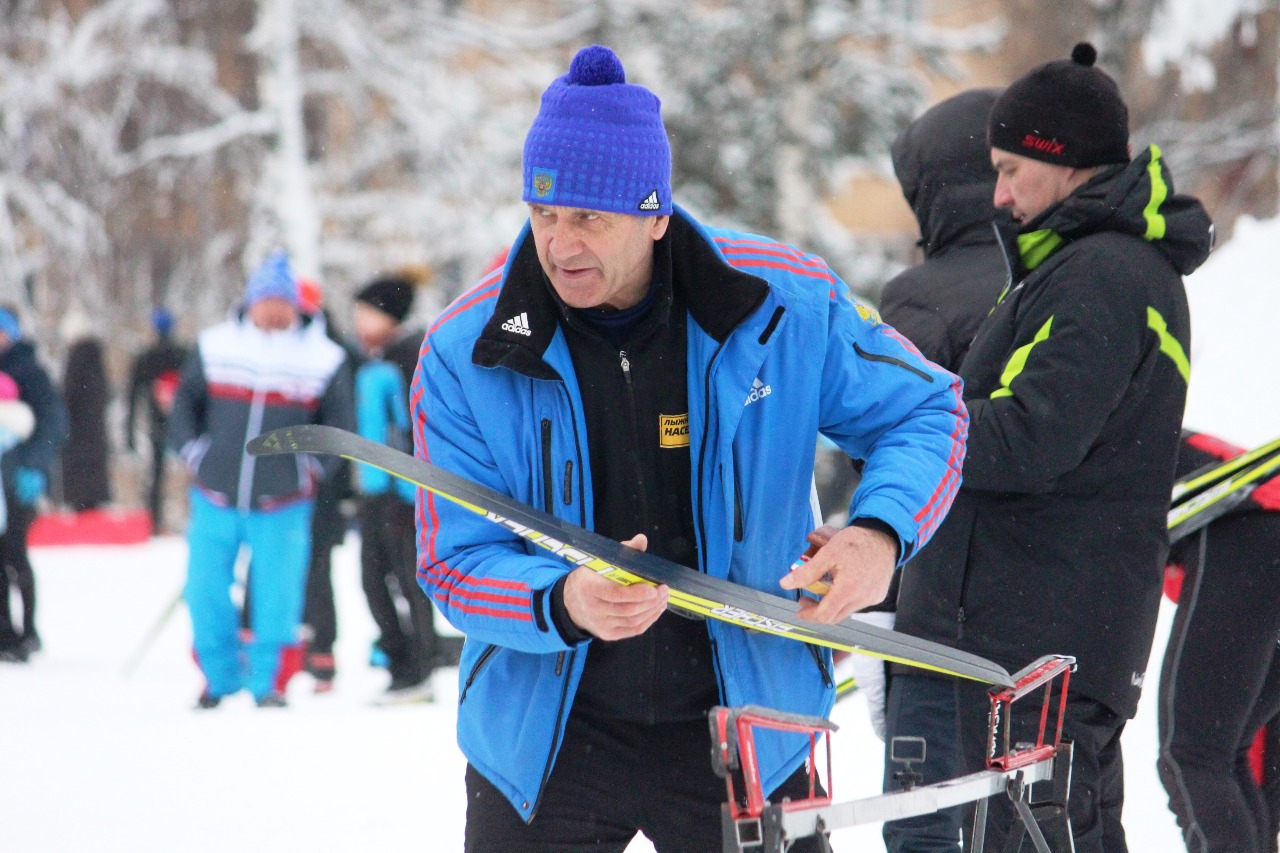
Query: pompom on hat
<point>1065,112</point>
<point>598,142</point>
<point>310,296</point>
<point>162,320</point>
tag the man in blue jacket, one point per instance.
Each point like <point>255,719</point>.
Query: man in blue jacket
<point>663,383</point>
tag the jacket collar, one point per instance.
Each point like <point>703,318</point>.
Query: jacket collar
<point>1136,198</point>
<point>528,313</point>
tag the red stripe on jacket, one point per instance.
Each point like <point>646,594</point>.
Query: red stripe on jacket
<point>744,263</point>
<point>770,246</point>
<point>241,394</point>
<point>930,516</point>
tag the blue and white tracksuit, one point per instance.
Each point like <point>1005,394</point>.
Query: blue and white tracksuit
<point>239,383</point>
<point>805,361</point>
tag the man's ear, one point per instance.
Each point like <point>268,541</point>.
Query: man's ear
<point>658,227</point>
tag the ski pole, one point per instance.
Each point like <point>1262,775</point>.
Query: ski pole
<point>149,640</point>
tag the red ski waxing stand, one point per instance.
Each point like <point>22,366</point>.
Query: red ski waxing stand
<point>752,824</point>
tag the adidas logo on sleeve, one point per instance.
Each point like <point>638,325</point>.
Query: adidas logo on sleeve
<point>518,324</point>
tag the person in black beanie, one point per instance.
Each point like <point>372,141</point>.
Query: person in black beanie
<point>388,550</point>
<point>1075,385</point>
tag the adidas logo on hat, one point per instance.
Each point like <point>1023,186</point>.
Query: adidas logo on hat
<point>651,202</point>
<point>518,324</point>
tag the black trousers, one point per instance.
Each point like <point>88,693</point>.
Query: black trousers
<point>1220,683</point>
<point>155,492</point>
<point>16,571</point>
<point>610,781</point>
<point>952,718</point>
<point>389,568</point>
<point>319,611</point>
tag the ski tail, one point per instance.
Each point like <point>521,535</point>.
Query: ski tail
<point>690,591</point>
<point>1225,495</point>
<point>1207,476</point>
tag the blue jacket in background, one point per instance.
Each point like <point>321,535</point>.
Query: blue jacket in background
<point>382,415</point>
<point>504,410</point>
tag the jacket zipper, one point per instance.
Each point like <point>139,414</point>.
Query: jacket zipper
<point>738,531</point>
<point>568,482</point>
<point>555,739</point>
<point>571,655</point>
<point>489,651</point>
<point>257,414</point>
<point>702,453</point>
<point>548,488</point>
<point>625,363</point>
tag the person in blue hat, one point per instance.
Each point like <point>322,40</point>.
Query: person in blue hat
<point>25,472</point>
<point>257,371</point>
<point>663,382</point>
<point>153,385</point>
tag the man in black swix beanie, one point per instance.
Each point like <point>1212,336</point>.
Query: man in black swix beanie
<point>1075,385</point>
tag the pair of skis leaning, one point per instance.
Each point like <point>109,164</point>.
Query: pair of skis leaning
<point>1212,491</point>
<point>690,591</point>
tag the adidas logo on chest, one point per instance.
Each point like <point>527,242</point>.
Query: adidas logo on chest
<point>518,324</point>
<point>758,392</point>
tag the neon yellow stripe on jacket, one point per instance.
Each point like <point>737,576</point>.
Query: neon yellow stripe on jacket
<point>1018,361</point>
<point>1168,343</point>
<point>1159,192</point>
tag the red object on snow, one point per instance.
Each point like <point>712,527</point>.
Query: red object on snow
<point>91,527</point>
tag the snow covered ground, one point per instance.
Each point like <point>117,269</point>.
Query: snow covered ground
<point>92,761</point>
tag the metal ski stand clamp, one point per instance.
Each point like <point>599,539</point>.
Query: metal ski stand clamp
<point>752,824</point>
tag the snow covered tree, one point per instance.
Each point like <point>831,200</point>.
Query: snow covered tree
<point>768,102</point>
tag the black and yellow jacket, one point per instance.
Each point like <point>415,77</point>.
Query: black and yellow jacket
<point>1076,385</point>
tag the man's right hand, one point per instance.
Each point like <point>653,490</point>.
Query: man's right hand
<point>608,610</point>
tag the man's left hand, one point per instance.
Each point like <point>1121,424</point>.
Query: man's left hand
<point>859,562</point>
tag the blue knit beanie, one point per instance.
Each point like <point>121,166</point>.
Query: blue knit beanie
<point>598,142</point>
<point>9,324</point>
<point>273,278</point>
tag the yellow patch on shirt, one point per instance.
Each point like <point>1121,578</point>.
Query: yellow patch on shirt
<point>868,313</point>
<point>673,430</point>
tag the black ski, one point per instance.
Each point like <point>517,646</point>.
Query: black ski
<point>1213,473</point>
<point>1226,493</point>
<point>690,591</point>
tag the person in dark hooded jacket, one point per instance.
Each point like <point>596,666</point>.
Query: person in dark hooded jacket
<point>1075,385</point>
<point>26,478</point>
<point>943,163</point>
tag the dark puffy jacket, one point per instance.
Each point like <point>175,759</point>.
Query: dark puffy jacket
<point>943,162</point>
<point>36,389</point>
<point>1076,385</point>
<point>241,382</point>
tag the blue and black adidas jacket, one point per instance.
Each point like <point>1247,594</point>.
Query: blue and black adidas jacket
<point>504,408</point>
